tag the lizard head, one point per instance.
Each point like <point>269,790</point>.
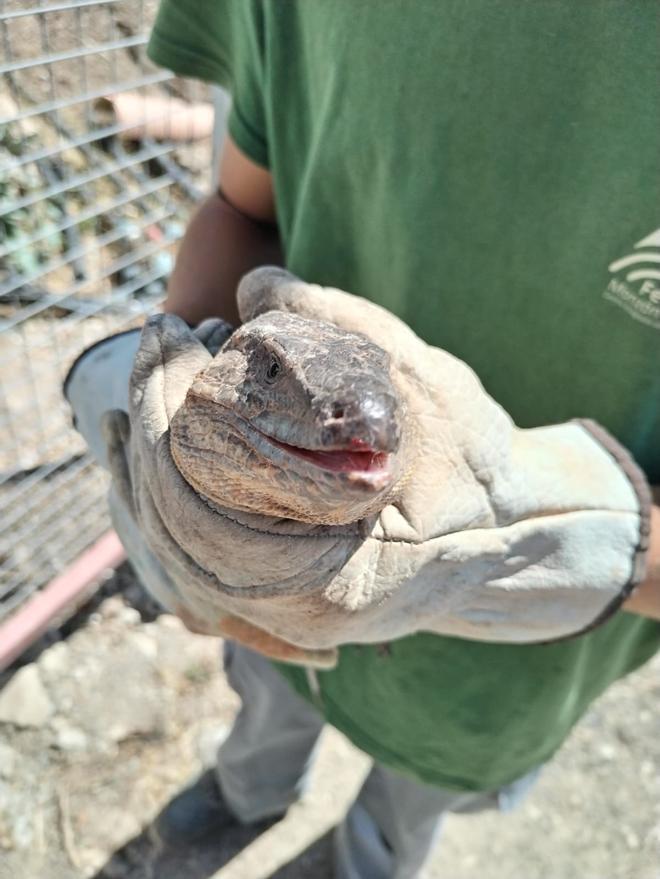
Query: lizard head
<point>292,418</point>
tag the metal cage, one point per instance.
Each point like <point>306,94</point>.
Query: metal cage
<point>92,199</point>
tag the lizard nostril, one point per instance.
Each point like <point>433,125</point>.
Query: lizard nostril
<point>337,410</point>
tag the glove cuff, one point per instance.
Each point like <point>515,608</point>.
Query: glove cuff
<point>639,483</point>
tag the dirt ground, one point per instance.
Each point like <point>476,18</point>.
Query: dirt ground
<point>103,727</point>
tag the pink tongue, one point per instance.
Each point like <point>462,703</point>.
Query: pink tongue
<point>343,461</point>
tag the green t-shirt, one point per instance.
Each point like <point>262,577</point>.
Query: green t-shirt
<point>489,171</point>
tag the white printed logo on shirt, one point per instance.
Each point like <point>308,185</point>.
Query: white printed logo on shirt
<point>635,284</point>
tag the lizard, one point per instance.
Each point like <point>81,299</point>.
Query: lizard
<point>322,476</point>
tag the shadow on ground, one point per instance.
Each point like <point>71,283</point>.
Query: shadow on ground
<point>144,857</point>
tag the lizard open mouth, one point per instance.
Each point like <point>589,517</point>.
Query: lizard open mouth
<point>341,460</point>
<point>358,459</point>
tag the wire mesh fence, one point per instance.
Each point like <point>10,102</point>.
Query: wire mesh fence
<point>101,156</point>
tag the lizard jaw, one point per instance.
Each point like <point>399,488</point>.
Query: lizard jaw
<point>359,470</point>
<point>339,460</point>
<point>363,467</point>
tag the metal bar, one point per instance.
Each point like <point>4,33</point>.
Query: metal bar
<point>118,295</point>
<point>116,265</point>
<point>81,507</point>
<point>104,208</point>
<point>72,54</point>
<point>137,172</point>
<point>172,170</point>
<point>51,568</point>
<point>110,16</point>
<point>48,553</point>
<point>84,140</point>
<point>53,176</point>
<point>5,39</point>
<point>86,149</point>
<point>144,155</point>
<point>71,549</point>
<point>82,65</point>
<point>52,522</point>
<point>57,547</point>
<point>38,485</point>
<point>74,253</point>
<point>26,484</point>
<point>221,109</point>
<point>133,172</point>
<point>65,103</point>
<point>74,548</point>
<point>141,26</point>
<point>63,591</point>
<point>61,490</point>
<point>10,431</point>
<point>53,545</point>
<point>122,293</point>
<point>29,378</point>
<point>138,308</point>
<point>38,474</point>
<point>41,493</point>
<point>10,434</point>
<point>45,47</point>
<point>56,509</point>
<point>52,7</point>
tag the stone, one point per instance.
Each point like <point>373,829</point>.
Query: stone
<point>92,860</point>
<point>607,751</point>
<point>8,761</point>
<point>23,831</point>
<point>9,109</point>
<point>6,836</point>
<point>209,739</point>
<point>112,607</point>
<point>55,660</point>
<point>24,701</point>
<point>167,621</point>
<point>68,737</point>
<point>632,839</point>
<point>129,616</point>
<point>647,769</point>
<point>113,691</point>
<point>143,642</point>
<point>16,827</point>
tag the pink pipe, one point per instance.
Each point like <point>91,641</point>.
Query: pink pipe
<point>32,620</point>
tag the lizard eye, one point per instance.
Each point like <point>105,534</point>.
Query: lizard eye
<point>274,368</point>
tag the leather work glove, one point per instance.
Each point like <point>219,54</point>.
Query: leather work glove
<point>97,388</point>
<point>486,531</point>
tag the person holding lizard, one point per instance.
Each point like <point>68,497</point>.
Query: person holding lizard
<point>488,173</point>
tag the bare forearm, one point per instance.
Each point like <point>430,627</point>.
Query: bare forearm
<point>220,245</point>
<point>646,599</point>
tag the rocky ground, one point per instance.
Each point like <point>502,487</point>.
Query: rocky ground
<point>102,727</point>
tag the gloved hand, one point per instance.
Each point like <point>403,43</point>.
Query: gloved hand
<point>484,531</point>
<point>97,388</point>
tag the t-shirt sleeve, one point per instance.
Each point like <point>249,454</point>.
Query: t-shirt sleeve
<point>219,41</point>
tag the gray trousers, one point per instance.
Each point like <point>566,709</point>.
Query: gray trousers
<point>388,832</point>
